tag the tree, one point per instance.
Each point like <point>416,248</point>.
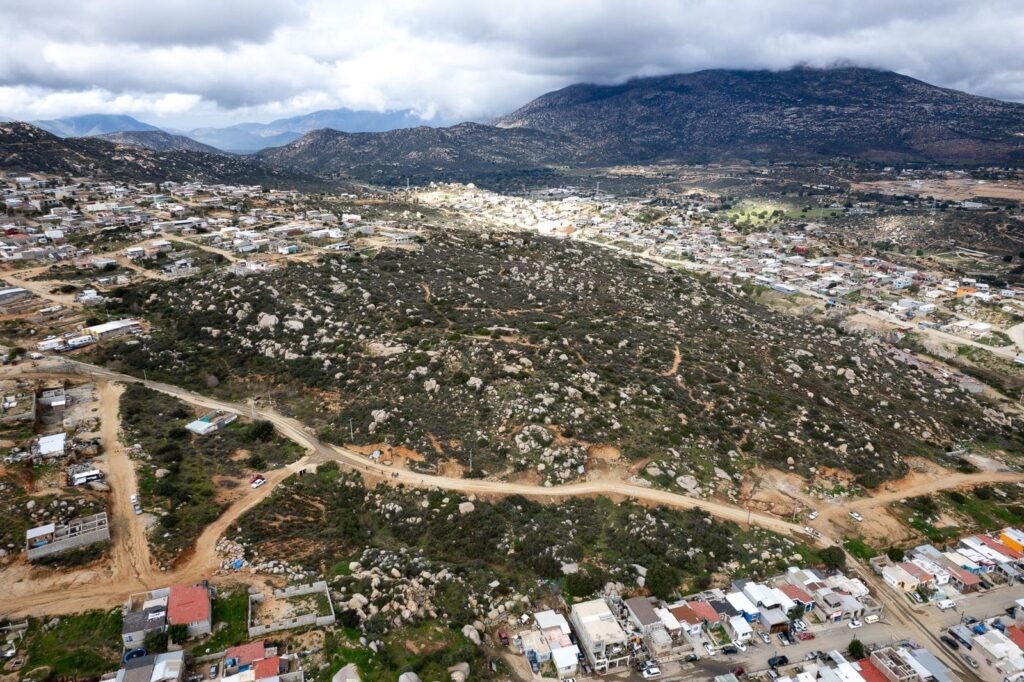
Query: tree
<point>155,642</point>
<point>796,612</point>
<point>834,558</point>
<point>895,553</point>
<point>261,430</point>
<point>178,633</point>
<point>661,581</point>
<point>856,649</point>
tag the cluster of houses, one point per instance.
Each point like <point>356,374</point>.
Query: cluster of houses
<point>973,562</point>
<point>609,633</point>
<point>89,335</point>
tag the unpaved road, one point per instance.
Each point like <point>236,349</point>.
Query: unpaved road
<point>101,592</point>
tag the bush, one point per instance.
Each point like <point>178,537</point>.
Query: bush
<point>856,649</point>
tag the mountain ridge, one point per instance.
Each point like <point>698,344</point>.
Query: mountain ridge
<point>158,140</point>
<point>87,125</point>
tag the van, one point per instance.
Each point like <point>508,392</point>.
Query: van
<point>944,604</point>
<point>873,618</point>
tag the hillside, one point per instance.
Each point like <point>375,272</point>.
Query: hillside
<point>799,113</point>
<point>531,357</point>
<point>460,151</point>
<point>24,147</point>
<point>92,124</point>
<point>158,141</point>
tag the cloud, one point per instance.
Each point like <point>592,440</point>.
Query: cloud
<point>188,62</point>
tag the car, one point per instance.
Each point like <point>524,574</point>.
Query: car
<point>134,499</point>
<point>503,637</point>
<point>256,481</point>
<point>856,516</point>
<point>710,649</point>
<point>969,660</point>
<point>738,672</point>
<point>970,620</point>
<point>776,661</point>
<point>692,658</point>
<point>730,650</point>
<point>944,604</point>
<point>765,637</point>
<point>813,515</point>
<point>213,672</point>
<point>805,636</point>
<point>650,672</point>
<point>137,508</point>
<point>949,641</point>
<point>800,625</point>
<point>784,640</point>
<point>854,624</point>
<point>587,670</point>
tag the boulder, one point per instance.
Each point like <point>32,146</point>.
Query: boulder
<point>471,634</point>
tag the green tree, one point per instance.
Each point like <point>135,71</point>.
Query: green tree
<point>178,633</point>
<point>796,612</point>
<point>661,581</point>
<point>856,649</point>
<point>261,431</point>
<point>834,558</point>
<point>155,642</point>
<point>895,553</point>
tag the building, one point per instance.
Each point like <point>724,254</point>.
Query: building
<point>112,330</point>
<point>739,629</point>
<point>167,667</point>
<point>190,606</point>
<point>642,614</point>
<point>998,658</point>
<point>54,538</point>
<point>211,422</point>
<point>601,638</point>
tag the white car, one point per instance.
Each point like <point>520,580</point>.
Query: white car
<point>856,516</point>
<point>854,624</point>
<point>944,604</point>
<point>257,481</point>
<point>813,515</point>
<point>134,499</point>
<point>710,649</point>
<point>650,672</point>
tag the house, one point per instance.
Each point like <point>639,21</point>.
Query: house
<point>743,605</point>
<point>774,620</point>
<point>706,611</point>
<point>54,538</point>
<point>566,660</point>
<point>167,667</point>
<point>998,658</point>
<point>211,422</point>
<point>137,624</point>
<point>112,330</point>
<point>52,446</point>
<point>798,596</point>
<point>739,629</point>
<point>691,623</point>
<point>1012,538</point>
<point>642,614</point>
<point>256,661</point>
<point>898,577</point>
<point>602,639</point>
<point>190,606</point>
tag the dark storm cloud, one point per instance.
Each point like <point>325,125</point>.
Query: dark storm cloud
<point>465,58</point>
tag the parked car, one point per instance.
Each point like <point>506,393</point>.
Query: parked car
<point>765,637</point>
<point>949,641</point>
<point>776,661</point>
<point>137,508</point>
<point>503,637</point>
<point>854,624</point>
<point>805,636</point>
<point>650,671</point>
<point>970,661</point>
<point>813,515</point>
<point>730,650</point>
<point>708,648</point>
<point>738,672</point>
<point>134,499</point>
<point>692,658</point>
<point>256,481</point>
<point>856,516</point>
<point>213,671</point>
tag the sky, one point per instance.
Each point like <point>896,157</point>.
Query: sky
<point>190,63</point>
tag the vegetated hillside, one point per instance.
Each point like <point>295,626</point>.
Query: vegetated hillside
<point>26,148</point>
<point>462,151</point>
<point>795,114</point>
<point>92,124</point>
<point>527,353</point>
<point>158,141</point>
<point>800,115</point>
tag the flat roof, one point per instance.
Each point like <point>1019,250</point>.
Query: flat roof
<point>111,326</point>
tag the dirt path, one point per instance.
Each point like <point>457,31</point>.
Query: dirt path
<point>677,358</point>
<point>131,559</point>
<point>204,561</point>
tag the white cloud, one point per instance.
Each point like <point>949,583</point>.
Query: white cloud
<point>183,62</point>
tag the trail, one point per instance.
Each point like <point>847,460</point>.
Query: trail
<point>99,593</point>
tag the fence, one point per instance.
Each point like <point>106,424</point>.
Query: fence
<point>319,587</point>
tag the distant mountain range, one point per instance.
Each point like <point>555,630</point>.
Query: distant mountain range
<point>87,125</point>
<point>24,147</point>
<point>158,141</point>
<point>800,114</point>
<point>797,115</point>
<point>252,137</point>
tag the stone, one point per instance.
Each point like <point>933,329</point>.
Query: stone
<point>471,634</point>
<point>466,507</point>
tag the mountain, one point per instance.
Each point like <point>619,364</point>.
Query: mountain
<point>159,141</point>
<point>91,124</point>
<point>23,147</point>
<point>797,115</point>
<point>801,113</point>
<point>251,137</point>
<point>462,150</point>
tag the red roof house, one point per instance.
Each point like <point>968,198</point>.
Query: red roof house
<point>190,606</point>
